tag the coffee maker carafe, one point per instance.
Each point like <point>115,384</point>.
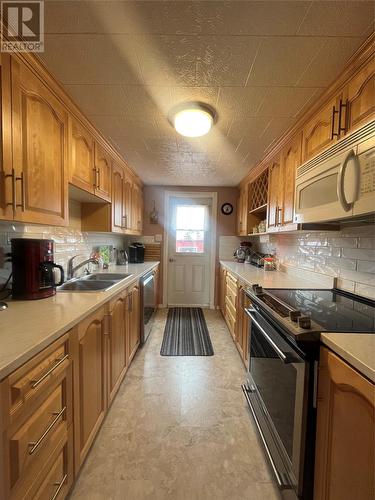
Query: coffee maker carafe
<point>33,269</point>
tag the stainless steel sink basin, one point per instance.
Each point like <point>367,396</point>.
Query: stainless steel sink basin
<point>86,286</point>
<point>105,277</point>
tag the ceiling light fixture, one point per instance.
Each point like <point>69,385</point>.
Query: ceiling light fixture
<point>193,120</point>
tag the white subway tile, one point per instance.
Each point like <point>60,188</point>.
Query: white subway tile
<point>366,266</point>
<point>347,285</point>
<point>358,253</point>
<point>343,242</point>
<point>342,263</point>
<point>366,242</point>
<point>365,290</point>
<point>366,278</point>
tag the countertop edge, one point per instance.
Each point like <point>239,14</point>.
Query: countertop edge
<point>10,367</point>
<point>351,358</point>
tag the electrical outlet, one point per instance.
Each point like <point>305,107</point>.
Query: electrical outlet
<point>158,238</point>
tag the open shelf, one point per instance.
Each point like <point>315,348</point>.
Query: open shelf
<point>259,210</point>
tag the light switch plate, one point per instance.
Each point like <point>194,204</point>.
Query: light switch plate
<point>158,238</point>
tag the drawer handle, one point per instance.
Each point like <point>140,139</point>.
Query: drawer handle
<point>35,446</point>
<point>59,485</point>
<point>35,383</point>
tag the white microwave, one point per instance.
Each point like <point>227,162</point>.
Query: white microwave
<point>340,182</point>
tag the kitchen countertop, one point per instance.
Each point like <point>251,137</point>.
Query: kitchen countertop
<point>358,349</point>
<point>277,279</point>
<point>28,326</point>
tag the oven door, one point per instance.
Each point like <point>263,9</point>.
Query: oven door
<point>277,392</point>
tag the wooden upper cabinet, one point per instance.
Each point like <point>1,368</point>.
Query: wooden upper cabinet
<point>103,173</point>
<point>117,198</point>
<point>360,94</point>
<point>322,130</point>
<point>40,131</point>
<point>242,211</point>
<point>81,157</point>
<point>344,457</point>
<point>290,160</point>
<point>274,183</point>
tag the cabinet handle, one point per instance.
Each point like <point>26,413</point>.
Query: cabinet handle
<point>130,302</point>
<point>98,174</point>
<point>59,486</point>
<point>279,210</point>
<point>35,446</point>
<point>334,113</point>
<point>340,128</point>
<point>125,218</point>
<point>35,383</point>
<point>95,177</point>
<point>13,203</point>
<point>23,194</point>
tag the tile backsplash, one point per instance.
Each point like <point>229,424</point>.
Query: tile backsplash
<point>68,241</point>
<point>348,255</point>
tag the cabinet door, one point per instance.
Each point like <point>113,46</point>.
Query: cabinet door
<point>6,194</point>
<point>89,383</point>
<point>223,273</point>
<point>103,173</point>
<point>81,161</point>
<point>117,348</point>
<point>291,159</point>
<point>134,320</point>
<point>273,194</point>
<point>344,460</point>
<point>319,132</point>
<point>361,96</point>
<point>117,199</point>
<point>39,127</point>
<point>127,203</point>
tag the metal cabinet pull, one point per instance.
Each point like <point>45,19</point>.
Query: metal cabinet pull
<point>59,486</point>
<point>98,177</point>
<point>340,128</point>
<point>130,302</point>
<point>334,113</point>
<point>35,383</point>
<point>13,203</point>
<point>125,218</point>
<point>22,205</point>
<point>35,446</point>
<point>280,482</point>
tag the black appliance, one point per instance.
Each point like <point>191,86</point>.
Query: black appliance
<point>281,388</point>
<point>148,305</point>
<point>136,253</point>
<point>33,269</point>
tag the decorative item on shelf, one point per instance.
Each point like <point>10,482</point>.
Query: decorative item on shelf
<point>262,226</point>
<point>242,251</point>
<point>255,229</point>
<point>154,215</point>
<point>226,208</point>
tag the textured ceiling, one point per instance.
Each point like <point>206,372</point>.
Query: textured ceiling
<point>258,63</point>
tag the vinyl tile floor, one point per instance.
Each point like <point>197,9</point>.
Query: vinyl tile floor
<point>179,429</point>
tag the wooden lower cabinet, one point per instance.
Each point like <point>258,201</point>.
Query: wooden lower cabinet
<point>89,383</point>
<point>242,333</point>
<point>222,289</point>
<point>344,461</point>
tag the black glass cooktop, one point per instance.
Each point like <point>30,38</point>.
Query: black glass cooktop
<point>333,310</point>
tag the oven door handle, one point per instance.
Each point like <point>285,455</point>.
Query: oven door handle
<point>280,482</point>
<point>278,351</point>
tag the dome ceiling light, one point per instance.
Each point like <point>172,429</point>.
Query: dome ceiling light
<point>192,119</point>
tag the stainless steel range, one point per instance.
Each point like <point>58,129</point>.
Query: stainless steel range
<point>285,327</point>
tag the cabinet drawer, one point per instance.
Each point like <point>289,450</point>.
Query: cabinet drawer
<point>56,482</point>
<point>32,444</point>
<point>231,320</point>
<point>230,307</point>
<point>231,296</point>
<point>33,379</point>
<point>231,280</point>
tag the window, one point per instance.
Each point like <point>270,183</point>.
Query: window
<point>190,227</point>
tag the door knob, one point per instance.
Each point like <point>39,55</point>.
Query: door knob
<point>171,260</point>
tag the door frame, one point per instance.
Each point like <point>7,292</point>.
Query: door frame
<point>191,195</point>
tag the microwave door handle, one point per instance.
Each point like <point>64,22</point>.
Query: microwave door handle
<point>341,177</point>
<point>278,351</point>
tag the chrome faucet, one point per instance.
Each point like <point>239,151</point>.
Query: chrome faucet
<point>72,270</point>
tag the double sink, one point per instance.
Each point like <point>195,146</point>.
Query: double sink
<point>93,282</point>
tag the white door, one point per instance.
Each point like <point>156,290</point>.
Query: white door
<point>189,252</point>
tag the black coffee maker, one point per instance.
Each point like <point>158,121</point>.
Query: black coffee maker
<point>136,253</point>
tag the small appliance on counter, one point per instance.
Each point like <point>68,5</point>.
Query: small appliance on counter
<point>136,253</point>
<point>33,269</point>
<point>242,251</point>
<point>256,259</point>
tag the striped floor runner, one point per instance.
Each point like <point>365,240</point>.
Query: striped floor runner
<point>186,333</point>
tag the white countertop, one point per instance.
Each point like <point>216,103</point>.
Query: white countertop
<point>356,348</point>
<point>28,326</point>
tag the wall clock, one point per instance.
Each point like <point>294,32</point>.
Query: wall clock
<point>227,208</point>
